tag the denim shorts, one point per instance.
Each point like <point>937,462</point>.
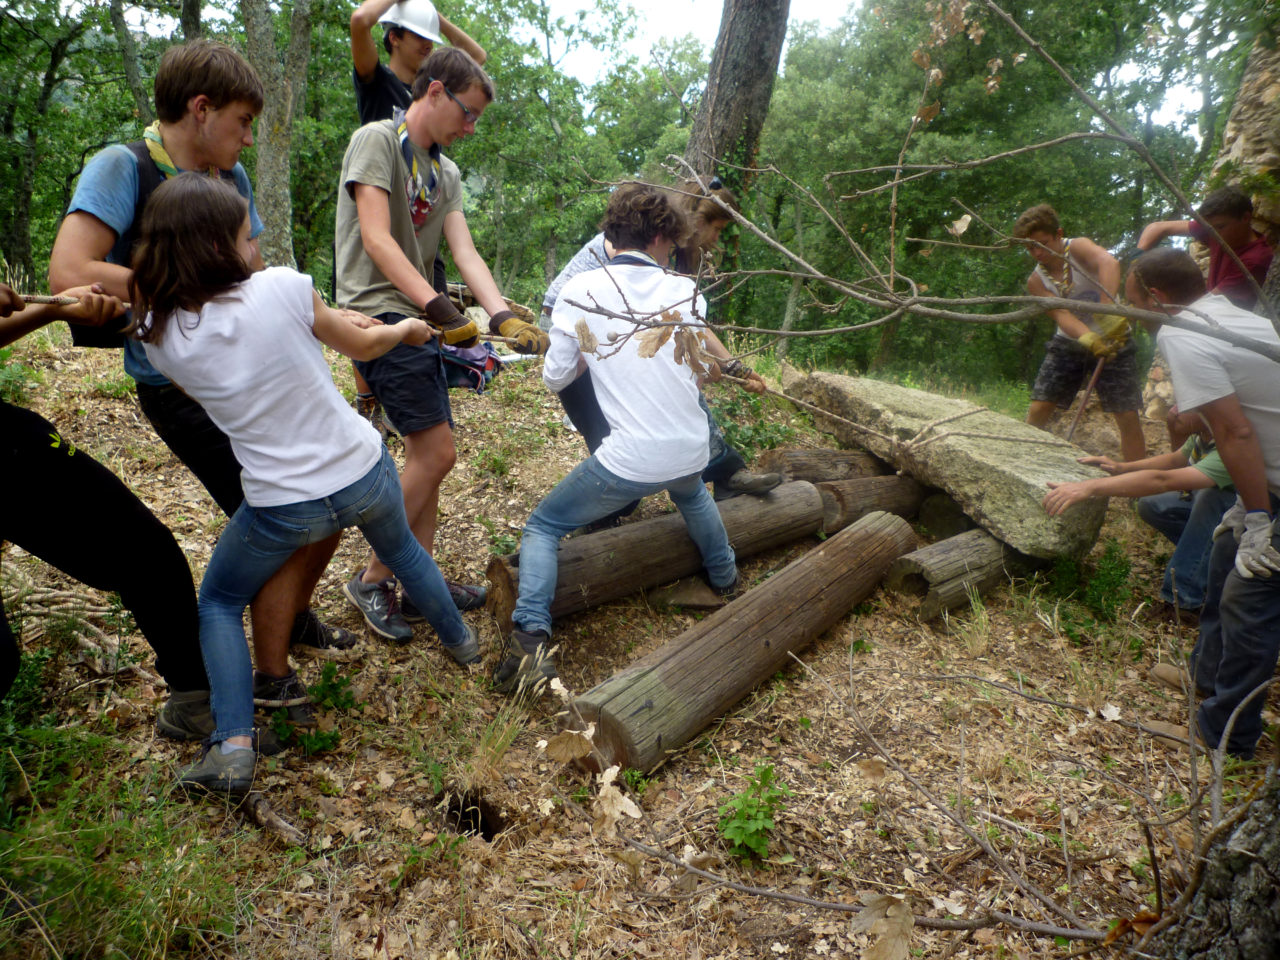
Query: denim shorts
<point>1068,366</point>
<point>409,381</point>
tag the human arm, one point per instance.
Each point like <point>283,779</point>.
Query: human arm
<point>79,257</point>
<point>1238,446</point>
<point>1162,461</point>
<point>564,362</point>
<point>364,51</point>
<point>458,37</point>
<point>17,318</point>
<point>373,210</point>
<point>1142,483</point>
<point>347,334</point>
<point>1098,265</point>
<point>475,274</point>
<point>1067,322</point>
<point>1153,233</point>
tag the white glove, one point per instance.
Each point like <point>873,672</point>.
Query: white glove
<point>1232,520</point>
<point>1256,556</point>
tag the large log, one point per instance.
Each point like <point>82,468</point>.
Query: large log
<point>944,573</point>
<point>609,564</point>
<point>818,466</point>
<point>844,501</point>
<point>667,697</point>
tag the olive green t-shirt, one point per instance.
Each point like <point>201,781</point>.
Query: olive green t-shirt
<point>374,157</point>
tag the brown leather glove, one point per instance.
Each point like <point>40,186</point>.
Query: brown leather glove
<point>455,329</point>
<point>528,338</point>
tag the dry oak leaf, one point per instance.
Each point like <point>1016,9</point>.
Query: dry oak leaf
<point>611,804</point>
<point>651,340</point>
<point>872,768</point>
<point>958,227</point>
<point>587,341</point>
<point>889,920</point>
<point>925,114</point>
<point>569,745</point>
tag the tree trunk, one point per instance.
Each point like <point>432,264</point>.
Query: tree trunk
<point>663,700</point>
<point>844,501</point>
<point>817,466</point>
<point>604,566</point>
<point>129,55</point>
<point>190,18</point>
<point>285,85</point>
<point>1235,915</point>
<point>735,102</point>
<point>944,574</point>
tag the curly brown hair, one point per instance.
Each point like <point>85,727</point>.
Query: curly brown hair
<point>186,253</point>
<point>638,213</point>
<point>1041,218</point>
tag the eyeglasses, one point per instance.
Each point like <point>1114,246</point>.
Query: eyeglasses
<point>469,115</point>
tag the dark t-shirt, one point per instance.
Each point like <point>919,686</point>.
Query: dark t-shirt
<point>1225,276</point>
<point>383,93</point>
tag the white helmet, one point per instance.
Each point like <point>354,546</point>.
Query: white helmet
<point>418,16</point>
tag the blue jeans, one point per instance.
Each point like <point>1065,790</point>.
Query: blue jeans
<point>1189,524</point>
<point>258,540</point>
<point>1237,649</point>
<point>588,493</point>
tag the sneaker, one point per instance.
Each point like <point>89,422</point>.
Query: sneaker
<point>310,631</point>
<point>744,481</point>
<point>731,590</point>
<point>468,651</point>
<point>186,715</point>
<point>288,693</point>
<point>218,772</point>
<point>467,596</point>
<point>527,665</point>
<point>380,607</point>
<point>367,406</point>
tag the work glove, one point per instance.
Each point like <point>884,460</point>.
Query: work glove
<point>455,329</point>
<point>1112,327</point>
<point>1256,557</point>
<point>1098,345</point>
<point>1232,521</point>
<point>528,338</point>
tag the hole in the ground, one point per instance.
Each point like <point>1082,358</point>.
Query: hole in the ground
<point>469,812</point>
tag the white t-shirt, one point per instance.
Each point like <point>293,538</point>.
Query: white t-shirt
<point>1204,369</point>
<point>253,362</point>
<point>657,430</point>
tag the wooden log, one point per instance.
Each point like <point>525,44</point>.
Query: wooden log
<point>944,573</point>
<point>603,566</point>
<point>844,501</point>
<point>942,517</point>
<point>818,466</point>
<point>664,699</point>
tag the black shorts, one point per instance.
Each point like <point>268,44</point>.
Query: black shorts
<point>409,381</point>
<point>1068,366</point>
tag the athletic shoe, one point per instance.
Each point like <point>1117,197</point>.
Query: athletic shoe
<point>527,664</point>
<point>468,651</point>
<point>310,631</point>
<point>731,590</point>
<point>369,408</point>
<point>186,715</point>
<point>380,607</point>
<point>218,772</point>
<point>287,693</point>
<point>744,481</point>
<point>465,596</point>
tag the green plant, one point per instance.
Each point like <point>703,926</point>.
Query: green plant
<point>443,847</point>
<point>333,692</point>
<point>635,780</point>
<point>15,377</point>
<point>114,388</point>
<point>742,419</point>
<point>316,741</point>
<point>747,820</point>
<point>1108,587</point>
<point>500,542</point>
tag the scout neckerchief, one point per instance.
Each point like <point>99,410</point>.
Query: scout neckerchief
<point>422,193</point>
<point>1066,272</point>
<point>160,156</point>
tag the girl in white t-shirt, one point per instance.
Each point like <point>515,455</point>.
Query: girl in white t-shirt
<point>246,346</point>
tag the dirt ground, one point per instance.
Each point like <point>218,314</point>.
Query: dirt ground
<point>986,765</point>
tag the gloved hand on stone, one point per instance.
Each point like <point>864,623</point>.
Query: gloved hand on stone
<point>1256,557</point>
<point>455,329</point>
<point>528,338</point>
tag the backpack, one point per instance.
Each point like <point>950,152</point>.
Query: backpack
<point>470,368</point>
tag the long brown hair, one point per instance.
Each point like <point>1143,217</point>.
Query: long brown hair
<point>186,253</point>
<point>702,210</point>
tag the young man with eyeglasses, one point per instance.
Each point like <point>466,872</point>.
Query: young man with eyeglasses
<point>399,196</point>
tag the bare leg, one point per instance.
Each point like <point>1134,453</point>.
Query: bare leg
<point>282,598</point>
<point>1039,413</point>
<point>361,385</point>
<point>429,455</point>
<point>1133,445</point>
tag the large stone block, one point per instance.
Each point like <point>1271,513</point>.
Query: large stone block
<point>998,482</point>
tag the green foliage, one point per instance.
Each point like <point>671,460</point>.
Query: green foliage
<point>15,378</point>
<point>635,780</point>
<point>501,543</point>
<point>747,820</point>
<point>22,706</point>
<point>443,847</point>
<point>746,428</point>
<point>1108,588</point>
<point>333,692</point>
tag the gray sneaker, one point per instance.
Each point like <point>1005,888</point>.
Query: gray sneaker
<point>465,596</point>
<point>218,772</point>
<point>527,665</point>
<point>380,607</point>
<point>186,715</point>
<point>287,692</point>
<point>744,481</point>
<point>468,651</point>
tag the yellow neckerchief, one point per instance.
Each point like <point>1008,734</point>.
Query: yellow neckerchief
<point>160,156</point>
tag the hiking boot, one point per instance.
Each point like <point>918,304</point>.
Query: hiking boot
<point>465,596</point>
<point>527,665</point>
<point>744,481</point>
<point>311,632</point>
<point>218,772</point>
<point>468,651</point>
<point>378,604</point>
<point>287,693</point>
<point>1178,616</point>
<point>731,590</point>
<point>367,406</point>
<point>1175,731</point>
<point>186,715</point>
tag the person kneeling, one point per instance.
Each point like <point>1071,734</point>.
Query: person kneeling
<point>658,433</point>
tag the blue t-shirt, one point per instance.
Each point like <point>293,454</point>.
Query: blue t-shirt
<point>108,189</point>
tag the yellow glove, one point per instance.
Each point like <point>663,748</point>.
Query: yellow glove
<point>455,329</point>
<point>1098,345</point>
<point>1113,327</point>
<point>528,338</point>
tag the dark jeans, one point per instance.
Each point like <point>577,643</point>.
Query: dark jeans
<point>195,440</point>
<point>61,505</point>
<point>1189,524</point>
<point>1237,649</point>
